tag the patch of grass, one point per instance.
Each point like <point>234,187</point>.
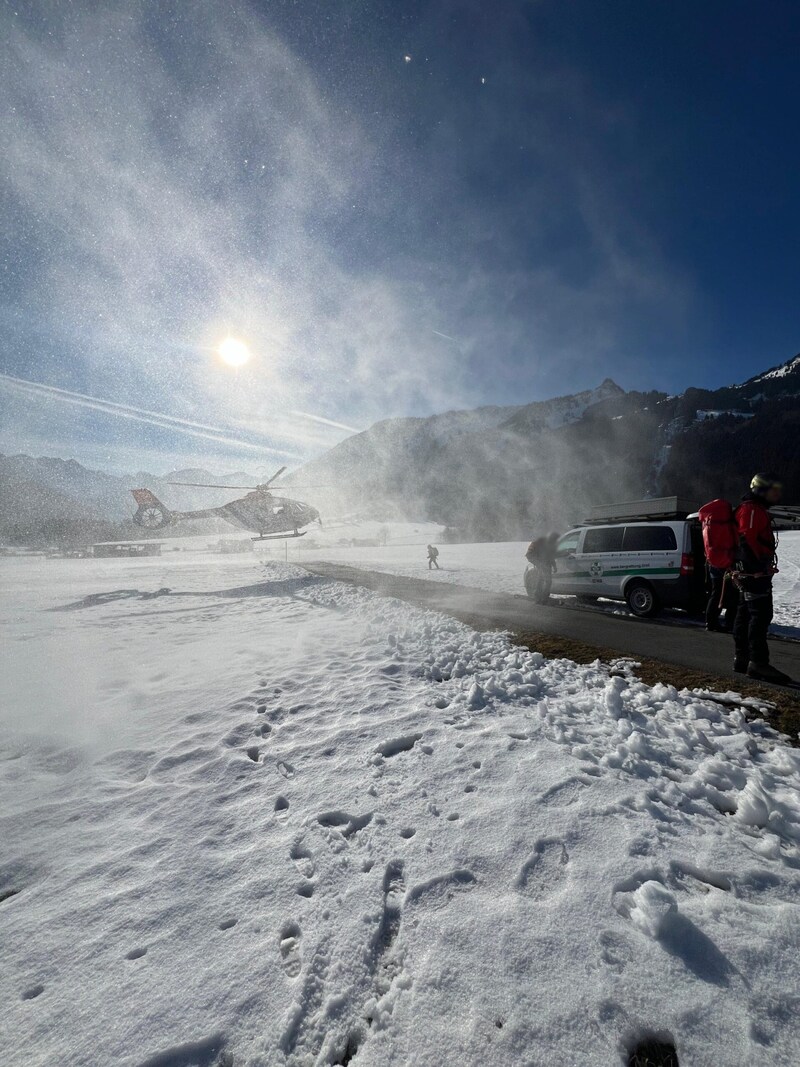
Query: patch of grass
<point>780,709</point>
<point>653,1053</point>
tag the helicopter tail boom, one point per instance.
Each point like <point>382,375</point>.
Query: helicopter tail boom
<point>151,513</point>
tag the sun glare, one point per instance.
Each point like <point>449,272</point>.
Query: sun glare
<point>233,352</point>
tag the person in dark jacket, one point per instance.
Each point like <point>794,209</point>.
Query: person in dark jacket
<point>757,565</point>
<point>534,578</point>
<point>433,557</point>
<point>541,555</point>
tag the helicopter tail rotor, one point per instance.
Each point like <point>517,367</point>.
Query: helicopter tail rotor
<point>151,513</point>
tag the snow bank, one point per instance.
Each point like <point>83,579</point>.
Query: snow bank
<point>352,831</point>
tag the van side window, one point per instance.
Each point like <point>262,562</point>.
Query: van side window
<point>568,544</point>
<point>649,539</point>
<point>603,539</point>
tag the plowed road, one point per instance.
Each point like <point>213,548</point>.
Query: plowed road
<point>684,646</point>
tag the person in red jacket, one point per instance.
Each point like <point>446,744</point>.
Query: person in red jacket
<point>757,564</point>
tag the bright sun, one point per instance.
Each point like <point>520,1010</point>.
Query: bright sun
<point>233,352</point>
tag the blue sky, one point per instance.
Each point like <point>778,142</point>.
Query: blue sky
<point>402,207</point>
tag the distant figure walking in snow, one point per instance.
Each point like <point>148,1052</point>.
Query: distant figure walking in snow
<point>433,558</point>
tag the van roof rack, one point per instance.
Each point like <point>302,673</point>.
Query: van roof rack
<point>660,507</point>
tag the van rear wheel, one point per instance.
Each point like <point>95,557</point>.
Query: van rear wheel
<point>642,600</point>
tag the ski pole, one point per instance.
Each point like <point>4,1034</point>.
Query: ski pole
<point>722,590</point>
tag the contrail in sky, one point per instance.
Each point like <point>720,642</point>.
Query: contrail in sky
<point>447,337</point>
<point>325,422</point>
<point>127,411</point>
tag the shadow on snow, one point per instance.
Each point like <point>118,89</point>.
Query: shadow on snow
<point>288,587</point>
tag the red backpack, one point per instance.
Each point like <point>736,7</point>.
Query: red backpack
<point>720,536</point>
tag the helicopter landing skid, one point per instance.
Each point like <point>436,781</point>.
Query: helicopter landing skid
<point>280,537</point>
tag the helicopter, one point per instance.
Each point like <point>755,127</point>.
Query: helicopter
<point>272,517</point>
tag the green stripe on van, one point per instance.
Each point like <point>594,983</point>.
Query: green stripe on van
<point>618,573</point>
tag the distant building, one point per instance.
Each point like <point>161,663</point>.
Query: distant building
<point>122,549</point>
<point>228,545</point>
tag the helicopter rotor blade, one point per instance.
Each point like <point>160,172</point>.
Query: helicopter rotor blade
<point>211,485</point>
<point>277,474</point>
<point>251,488</point>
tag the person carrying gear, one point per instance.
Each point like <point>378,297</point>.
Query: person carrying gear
<point>720,542</point>
<point>433,558</point>
<point>757,565</point>
<point>541,555</point>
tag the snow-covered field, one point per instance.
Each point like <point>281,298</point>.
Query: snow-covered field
<point>500,566</point>
<point>253,817</point>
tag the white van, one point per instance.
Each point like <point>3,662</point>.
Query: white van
<point>648,564</point>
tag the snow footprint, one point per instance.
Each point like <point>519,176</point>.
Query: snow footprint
<point>303,859</point>
<point>289,943</point>
<point>541,874</point>
<point>616,951</point>
<point>305,1027</point>
<point>341,822</point>
<point>565,793</point>
<point>393,889</point>
<point>440,890</point>
<point>238,735</point>
<point>385,961</point>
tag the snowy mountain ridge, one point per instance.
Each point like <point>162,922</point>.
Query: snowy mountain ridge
<point>781,371</point>
<point>505,472</point>
<point>563,410</point>
<point>490,472</point>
